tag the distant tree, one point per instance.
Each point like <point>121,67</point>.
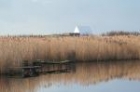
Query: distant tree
<point>113,33</point>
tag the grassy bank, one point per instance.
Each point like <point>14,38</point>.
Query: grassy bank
<point>14,50</point>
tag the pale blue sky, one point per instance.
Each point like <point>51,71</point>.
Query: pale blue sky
<point>57,16</point>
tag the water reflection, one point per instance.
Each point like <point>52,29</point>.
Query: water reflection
<point>85,74</point>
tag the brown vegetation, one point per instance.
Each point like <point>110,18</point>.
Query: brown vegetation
<point>112,33</point>
<point>85,74</point>
<point>14,50</point>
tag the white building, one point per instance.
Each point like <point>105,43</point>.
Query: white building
<point>83,30</point>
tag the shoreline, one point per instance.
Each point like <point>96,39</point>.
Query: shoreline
<point>15,50</point>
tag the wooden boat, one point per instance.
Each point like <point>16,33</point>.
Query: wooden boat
<point>24,71</point>
<point>40,67</point>
<point>57,62</point>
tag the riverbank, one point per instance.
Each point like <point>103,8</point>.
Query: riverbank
<point>14,50</point>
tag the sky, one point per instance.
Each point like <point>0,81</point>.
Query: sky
<point>61,16</point>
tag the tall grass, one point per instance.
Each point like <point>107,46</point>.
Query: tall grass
<point>14,50</point>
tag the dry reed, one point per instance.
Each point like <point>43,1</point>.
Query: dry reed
<point>14,50</point>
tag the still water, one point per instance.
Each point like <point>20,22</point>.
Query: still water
<point>122,76</point>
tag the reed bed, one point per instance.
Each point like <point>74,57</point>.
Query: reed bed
<point>14,50</point>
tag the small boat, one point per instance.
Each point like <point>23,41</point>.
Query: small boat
<point>25,71</point>
<point>38,67</point>
<point>57,62</point>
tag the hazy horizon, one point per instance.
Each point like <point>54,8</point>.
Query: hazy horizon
<point>61,16</point>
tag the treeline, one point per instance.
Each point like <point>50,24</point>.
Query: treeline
<point>17,36</point>
<point>113,33</point>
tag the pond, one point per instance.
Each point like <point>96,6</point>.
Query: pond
<point>122,76</point>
